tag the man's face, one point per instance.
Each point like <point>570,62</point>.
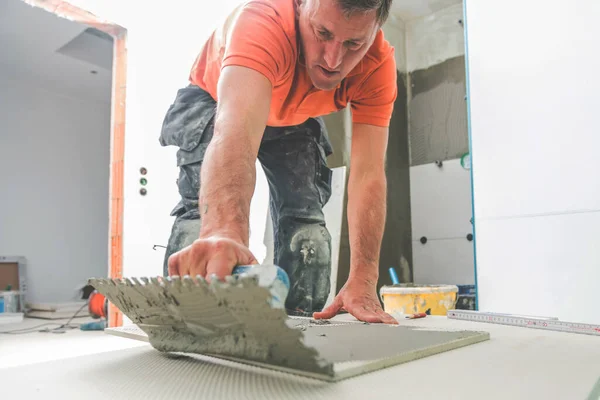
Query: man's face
<point>333,44</point>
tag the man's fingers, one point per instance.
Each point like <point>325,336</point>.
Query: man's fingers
<point>251,260</point>
<point>366,316</point>
<point>387,318</point>
<point>373,316</point>
<point>220,266</point>
<point>173,264</point>
<point>330,311</point>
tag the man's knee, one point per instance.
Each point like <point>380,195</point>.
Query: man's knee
<point>304,251</point>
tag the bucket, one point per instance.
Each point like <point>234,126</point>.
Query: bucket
<point>408,298</point>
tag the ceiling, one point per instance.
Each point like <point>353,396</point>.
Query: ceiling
<point>53,52</point>
<point>411,9</point>
<point>70,57</point>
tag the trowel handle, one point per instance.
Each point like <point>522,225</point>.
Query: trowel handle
<point>271,277</point>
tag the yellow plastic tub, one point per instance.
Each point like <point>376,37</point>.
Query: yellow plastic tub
<point>408,298</point>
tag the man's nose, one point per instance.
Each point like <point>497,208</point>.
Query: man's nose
<point>334,52</point>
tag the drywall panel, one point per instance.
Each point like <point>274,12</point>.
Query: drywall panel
<point>54,178</point>
<point>534,106</point>
<point>440,201</point>
<point>546,265</point>
<point>434,38</point>
<point>438,112</point>
<point>444,261</point>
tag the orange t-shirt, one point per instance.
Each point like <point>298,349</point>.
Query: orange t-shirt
<point>262,35</point>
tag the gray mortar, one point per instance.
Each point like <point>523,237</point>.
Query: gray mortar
<point>231,319</point>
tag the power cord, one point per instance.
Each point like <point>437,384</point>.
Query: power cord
<point>62,328</point>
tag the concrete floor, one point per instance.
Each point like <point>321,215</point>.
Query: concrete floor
<point>38,347</point>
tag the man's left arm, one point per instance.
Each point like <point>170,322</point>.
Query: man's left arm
<point>367,190</point>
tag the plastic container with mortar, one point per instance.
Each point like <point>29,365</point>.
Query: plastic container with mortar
<point>409,298</point>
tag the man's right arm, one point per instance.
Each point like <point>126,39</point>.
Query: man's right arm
<point>228,177</point>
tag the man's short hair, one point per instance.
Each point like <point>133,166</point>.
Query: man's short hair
<point>382,7</point>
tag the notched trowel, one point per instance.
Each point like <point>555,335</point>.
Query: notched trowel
<point>241,318</point>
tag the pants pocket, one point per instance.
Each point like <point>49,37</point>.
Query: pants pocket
<point>187,119</point>
<point>189,125</point>
<point>323,179</point>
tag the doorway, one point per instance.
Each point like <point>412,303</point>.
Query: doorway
<point>61,149</point>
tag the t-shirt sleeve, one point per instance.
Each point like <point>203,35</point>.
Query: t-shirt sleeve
<point>258,40</point>
<point>373,103</point>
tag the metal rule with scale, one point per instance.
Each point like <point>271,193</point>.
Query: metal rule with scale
<point>547,323</point>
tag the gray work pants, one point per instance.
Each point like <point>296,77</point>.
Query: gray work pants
<point>294,161</point>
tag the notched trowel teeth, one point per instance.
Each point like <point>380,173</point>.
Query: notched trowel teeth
<point>231,318</point>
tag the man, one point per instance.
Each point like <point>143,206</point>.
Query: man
<point>258,89</point>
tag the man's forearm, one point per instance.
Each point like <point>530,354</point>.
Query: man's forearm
<point>229,168</point>
<point>366,221</point>
<point>227,184</point>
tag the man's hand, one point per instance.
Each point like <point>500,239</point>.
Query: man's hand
<point>366,220</point>
<point>214,255</point>
<point>359,298</point>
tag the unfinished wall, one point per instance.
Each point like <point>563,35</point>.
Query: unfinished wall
<point>54,163</point>
<point>437,106</point>
<point>440,195</point>
<point>396,247</point>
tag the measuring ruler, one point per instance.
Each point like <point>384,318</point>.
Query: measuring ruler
<point>551,324</point>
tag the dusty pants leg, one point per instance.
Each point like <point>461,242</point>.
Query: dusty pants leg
<point>293,159</point>
<point>183,233</point>
<point>189,125</point>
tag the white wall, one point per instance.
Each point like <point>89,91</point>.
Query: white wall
<point>54,172</point>
<point>535,138</point>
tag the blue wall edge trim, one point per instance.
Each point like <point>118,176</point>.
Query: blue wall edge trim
<point>468,88</point>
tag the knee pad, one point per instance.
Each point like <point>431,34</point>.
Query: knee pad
<point>312,243</point>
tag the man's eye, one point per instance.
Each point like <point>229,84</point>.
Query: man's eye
<point>324,34</point>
